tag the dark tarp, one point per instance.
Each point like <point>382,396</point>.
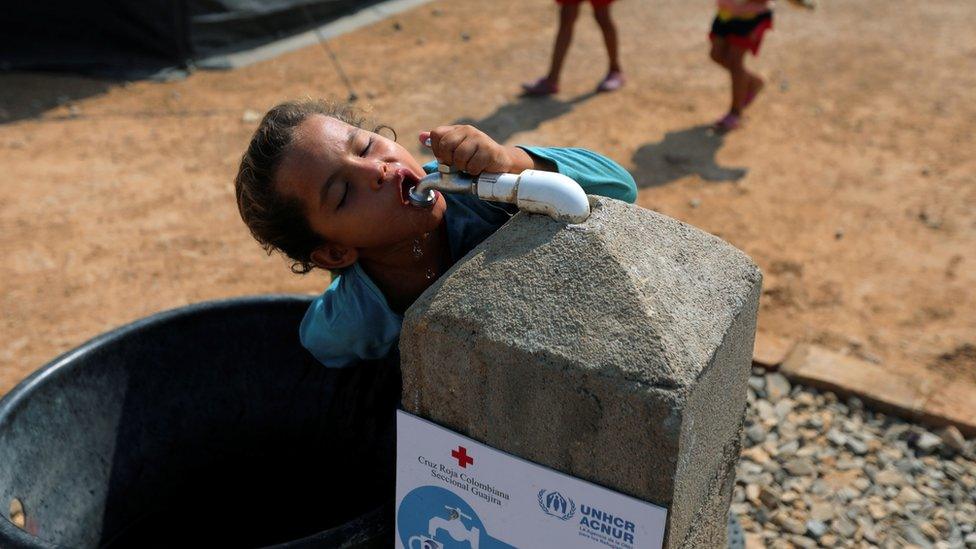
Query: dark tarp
<point>109,37</point>
<point>134,38</point>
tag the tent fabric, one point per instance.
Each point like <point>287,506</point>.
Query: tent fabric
<point>222,25</point>
<point>136,38</point>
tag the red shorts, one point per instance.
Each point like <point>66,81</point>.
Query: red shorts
<point>596,3</point>
<point>744,33</point>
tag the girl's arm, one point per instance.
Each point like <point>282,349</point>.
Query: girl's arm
<point>471,150</point>
<point>596,173</point>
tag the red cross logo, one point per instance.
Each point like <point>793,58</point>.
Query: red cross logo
<point>461,454</point>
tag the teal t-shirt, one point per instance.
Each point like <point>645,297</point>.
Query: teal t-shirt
<point>352,321</point>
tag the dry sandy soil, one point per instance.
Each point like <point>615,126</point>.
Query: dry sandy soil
<point>852,184</point>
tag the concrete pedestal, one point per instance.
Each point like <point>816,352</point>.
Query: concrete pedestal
<point>616,350</point>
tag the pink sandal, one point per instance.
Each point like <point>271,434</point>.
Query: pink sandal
<point>540,87</point>
<point>613,81</point>
<point>727,123</point>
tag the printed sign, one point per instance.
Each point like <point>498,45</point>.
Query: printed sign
<point>455,493</point>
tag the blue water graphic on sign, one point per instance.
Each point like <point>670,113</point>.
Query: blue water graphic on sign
<point>431,517</point>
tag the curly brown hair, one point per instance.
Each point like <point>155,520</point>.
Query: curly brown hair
<point>278,222</point>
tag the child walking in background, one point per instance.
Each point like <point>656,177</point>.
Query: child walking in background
<point>317,186</point>
<point>739,27</point>
<point>568,12</point>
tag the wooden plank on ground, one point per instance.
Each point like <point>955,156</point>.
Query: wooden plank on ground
<point>770,350</point>
<point>925,397</point>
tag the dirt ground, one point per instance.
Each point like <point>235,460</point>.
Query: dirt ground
<point>852,184</point>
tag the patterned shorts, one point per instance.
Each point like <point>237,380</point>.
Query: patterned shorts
<point>745,33</point>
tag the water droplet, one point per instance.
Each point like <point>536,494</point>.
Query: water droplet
<point>17,513</point>
<point>430,273</point>
<point>418,251</point>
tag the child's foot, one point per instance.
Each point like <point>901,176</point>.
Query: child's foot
<point>540,87</point>
<point>755,86</point>
<point>613,81</point>
<point>727,123</point>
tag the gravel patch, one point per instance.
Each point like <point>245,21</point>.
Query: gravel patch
<point>820,472</point>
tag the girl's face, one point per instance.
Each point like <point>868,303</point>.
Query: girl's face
<point>353,184</point>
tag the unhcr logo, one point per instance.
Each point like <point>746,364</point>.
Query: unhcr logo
<point>557,505</point>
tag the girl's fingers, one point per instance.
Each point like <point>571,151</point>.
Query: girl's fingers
<point>444,148</point>
<point>435,137</point>
<point>465,151</point>
<point>425,139</point>
<point>479,162</point>
<point>464,147</point>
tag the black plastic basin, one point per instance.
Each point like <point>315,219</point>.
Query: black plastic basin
<point>206,426</point>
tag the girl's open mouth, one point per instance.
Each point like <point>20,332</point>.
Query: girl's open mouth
<point>408,180</point>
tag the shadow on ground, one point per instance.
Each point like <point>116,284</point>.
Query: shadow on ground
<point>684,152</point>
<point>29,95</point>
<point>526,113</point>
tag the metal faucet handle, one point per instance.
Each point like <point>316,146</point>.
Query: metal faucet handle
<point>446,179</point>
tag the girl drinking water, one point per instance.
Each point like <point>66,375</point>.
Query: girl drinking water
<point>318,187</point>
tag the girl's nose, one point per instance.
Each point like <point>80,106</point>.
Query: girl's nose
<point>375,173</point>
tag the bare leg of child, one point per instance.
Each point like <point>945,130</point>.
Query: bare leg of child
<point>549,84</point>
<point>567,19</point>
<point>615,77</point>
<point>602,16</point>
<point>729,58</point>
<point>741,78</point>
<point>720,52</point>
<point>755,86</point>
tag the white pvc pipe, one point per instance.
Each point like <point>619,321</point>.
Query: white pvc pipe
<point>536,191</point>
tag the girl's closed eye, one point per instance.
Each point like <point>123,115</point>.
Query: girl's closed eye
<point>369,144</point>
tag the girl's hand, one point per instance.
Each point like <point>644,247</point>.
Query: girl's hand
<point>470,150</point>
